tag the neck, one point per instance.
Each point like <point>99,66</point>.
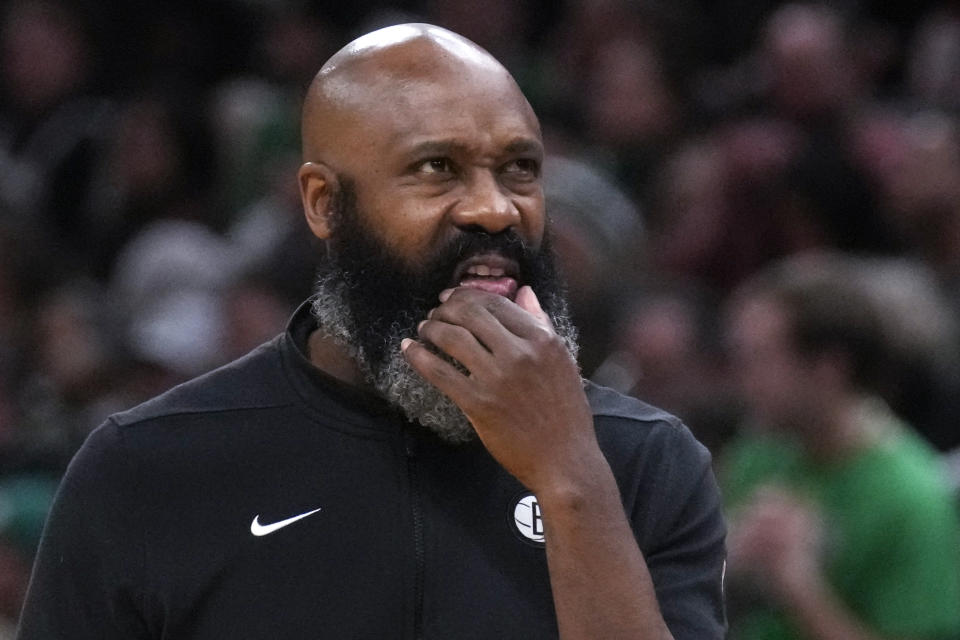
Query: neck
<point>332,358</point>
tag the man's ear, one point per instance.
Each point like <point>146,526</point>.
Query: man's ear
<point>318,185</point>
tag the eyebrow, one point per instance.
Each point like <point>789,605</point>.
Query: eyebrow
<point>525,145</point>
<point>454,147</point>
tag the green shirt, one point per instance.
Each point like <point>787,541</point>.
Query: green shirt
<point>892,552</point>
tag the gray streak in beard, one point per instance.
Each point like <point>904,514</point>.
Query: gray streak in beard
<point>394,379</point>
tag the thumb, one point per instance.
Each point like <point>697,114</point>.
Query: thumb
<point>527,300</point>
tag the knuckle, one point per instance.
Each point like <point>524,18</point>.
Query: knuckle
<point>455,308</point>
<point>439,332</point>
<point>548,342</point>
<point>427,328</point>
<point>464,294</point>
<point>493,302</point>
<point>542,335</point>
<point>478,297</point>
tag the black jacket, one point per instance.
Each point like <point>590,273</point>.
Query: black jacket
<point>401,536</point>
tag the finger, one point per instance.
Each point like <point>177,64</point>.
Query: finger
<point>434,369</point>
<point>527,300</point>
<point>474,316</point>
<point>456,341</point>
<point>515,319</point>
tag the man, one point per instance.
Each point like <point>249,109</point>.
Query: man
<point>842,526</point>
<point>416,457</point>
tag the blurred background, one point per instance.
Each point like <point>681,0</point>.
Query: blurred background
<point>150,223</point>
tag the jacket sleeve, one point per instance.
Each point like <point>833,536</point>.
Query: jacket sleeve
<point>674,507</point>
<point>85,578</point>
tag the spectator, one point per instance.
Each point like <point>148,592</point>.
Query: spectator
<point>599,237</point>
<point>73,385</point>
<point>158,165</point>
<point>842,524</point>
<point>52,127</point>
<point>922,382</point>
<point>665,351</point>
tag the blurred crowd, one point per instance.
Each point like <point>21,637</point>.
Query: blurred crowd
<point>151,228</point>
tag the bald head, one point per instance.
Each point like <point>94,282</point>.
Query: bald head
<point>390,69</point>
<point>431,133</point>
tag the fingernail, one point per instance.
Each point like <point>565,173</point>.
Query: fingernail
<point>405,343</point>
<point>419,326</point>
<point>446,293</point>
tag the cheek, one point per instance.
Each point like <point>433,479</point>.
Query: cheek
<point>533,217</point>
<point>410,243</point>
<point>414,226</point>
<point>409,228</point>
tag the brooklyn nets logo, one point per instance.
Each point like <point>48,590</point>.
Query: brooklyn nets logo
<point>527,519</point>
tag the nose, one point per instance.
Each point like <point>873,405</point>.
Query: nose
<point>485,206</point>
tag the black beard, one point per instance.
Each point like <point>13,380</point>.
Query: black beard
<point>369,300</point>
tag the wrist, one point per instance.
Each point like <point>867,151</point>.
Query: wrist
<point>577,488</point>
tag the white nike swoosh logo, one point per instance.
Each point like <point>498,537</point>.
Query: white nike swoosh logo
<point>258,529</point>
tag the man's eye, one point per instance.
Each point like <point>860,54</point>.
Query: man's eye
<point>523,167</point>
<point>436,165</point>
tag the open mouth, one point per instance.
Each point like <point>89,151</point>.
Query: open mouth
<point>489,272</point>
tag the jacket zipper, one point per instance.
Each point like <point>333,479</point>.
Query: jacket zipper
<point>416,506</point>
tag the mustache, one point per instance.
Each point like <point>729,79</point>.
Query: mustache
<point>469,243</point>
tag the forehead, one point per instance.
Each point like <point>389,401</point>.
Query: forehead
<point>479,111</point>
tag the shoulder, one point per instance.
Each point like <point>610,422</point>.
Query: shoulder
<point>253,381</point>
<point>606,402</point>
<point>660,466</point>
<point>626,424</point>
<point>135,451</point>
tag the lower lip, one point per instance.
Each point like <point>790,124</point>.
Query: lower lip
<point>506,287</point>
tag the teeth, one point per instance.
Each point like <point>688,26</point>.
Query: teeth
<point>486,271</point>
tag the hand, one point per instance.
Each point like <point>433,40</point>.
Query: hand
<point>778,538</point>
<point>523,393</point>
